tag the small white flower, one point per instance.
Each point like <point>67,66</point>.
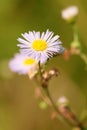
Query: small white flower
<point>70,12</point>
<point>41,47</point>
<point>23,64</point>
<point>62,101</point>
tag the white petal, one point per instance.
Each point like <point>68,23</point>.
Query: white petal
<point>45,57</point>
<point>42,36</point>
<point>37,35</point>
<point>32,36</point>
<point>48,40</point>
<point>23,46</point>
<point>54,38</point>
<point>27,37</point>
<point>47,35</point>
<point>22,41</point>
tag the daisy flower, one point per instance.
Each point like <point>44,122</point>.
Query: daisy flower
<point>70,13</point>
<point>40,47</point>
<point>23,65</point>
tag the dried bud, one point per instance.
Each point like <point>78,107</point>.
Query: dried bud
<point>67,113</point>
<point>75,47</point>
<point>75,50</point>
<point>45,75</point>
<point>53,72</point>
<point>53,115</point>
<point>44,83</point>
<point>66,54</point>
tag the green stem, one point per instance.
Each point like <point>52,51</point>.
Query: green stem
<point>40,69</point>
<point>40,72</point>
<point>52,102</point>
<point>84,57</point>
<point>75,33</point>
<point>76,42</point>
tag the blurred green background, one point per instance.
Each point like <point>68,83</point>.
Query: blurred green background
<point>19,109</point>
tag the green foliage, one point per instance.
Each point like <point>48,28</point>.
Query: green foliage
<point>17,103</point>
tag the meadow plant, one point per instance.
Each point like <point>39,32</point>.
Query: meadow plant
<point>36,50</point>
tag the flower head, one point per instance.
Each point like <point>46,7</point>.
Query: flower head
<point>70,13</point>
<point>23,64</point>
<point>41,47</point>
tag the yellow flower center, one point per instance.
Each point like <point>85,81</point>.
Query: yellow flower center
<point>29,61</point>
<point>39,45</point>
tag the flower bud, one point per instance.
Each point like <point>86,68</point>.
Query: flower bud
<point>63,102</point>
<point>53,72</point>
<point>69,14</point>
<point>75,47</point>
<point>66,55</point>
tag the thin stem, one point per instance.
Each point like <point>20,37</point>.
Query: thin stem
<point>40,72</point>
<point>84,57</point>
<point>72,117</point>
<point>75,33</point>
<point>53,104</point>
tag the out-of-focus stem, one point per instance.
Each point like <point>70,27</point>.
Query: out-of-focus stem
<point>40,70</point>
<point>84,57</point>
<point>67,114</point>
<point>75,33</point>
